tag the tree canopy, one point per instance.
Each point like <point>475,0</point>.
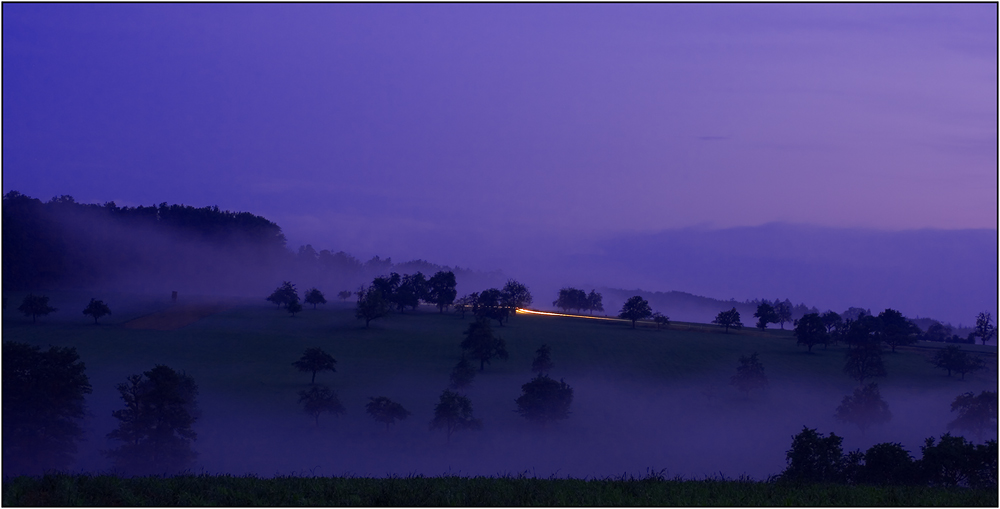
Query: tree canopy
<point>749,375</point>
<point>462,374</point>
<point>765,314</point>
<point>542,363</point>
<point>864,408</point>
<point>372,305</point>
<point>953,358</point>
<point>155,427</point>
<point>314,297</point>
<point>895,330</point>
<point>320,399</point>
<point>35,306</point>
<point>441,290</point>
<point>544,400</point>
<point>385,410</point>
<point>729,319</point>
<point>635,308</point>
<point>454,413</point>
<point>315,360</point>
<point>977,414</point>
<point>284,294</point>
<point>570,299</point>
<point>481,344</point>
<point>96,309</point>
<point>985,330</point>
<point>810,330</point>
<point>43,406</point>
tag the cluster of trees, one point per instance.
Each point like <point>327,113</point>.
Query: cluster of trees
<point>494,304</point>
<point>573,298</point>
<point>779,312</point>
<point>287,295</point>
<point>38,305</point>
<point>952,461</point>
<point>954,359</point>
<point>400,292</point>
<point>865,331</point>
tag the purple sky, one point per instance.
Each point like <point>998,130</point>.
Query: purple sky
<point>375,127</point>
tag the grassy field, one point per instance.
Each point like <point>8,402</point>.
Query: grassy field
<point>644,398</point>
<point>61,490</point>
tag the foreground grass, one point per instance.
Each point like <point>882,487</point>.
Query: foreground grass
<point>205,490</point>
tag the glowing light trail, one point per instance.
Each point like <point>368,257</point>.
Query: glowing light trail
<point>547,313</point>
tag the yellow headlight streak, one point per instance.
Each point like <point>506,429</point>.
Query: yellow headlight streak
<point>546,313</point>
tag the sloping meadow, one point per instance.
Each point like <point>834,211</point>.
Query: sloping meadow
<point>645,400</point>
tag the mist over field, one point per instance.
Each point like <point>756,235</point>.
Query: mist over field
<point>644,400</point>
<point>700,156</point>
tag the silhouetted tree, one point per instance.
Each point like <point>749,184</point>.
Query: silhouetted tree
<point>411,290</point>
<point>595,302</point>
<point>954,461</point>
<point>314,297</point>
<point>35,306</point>
<point>454,413</point>
<point>542,363</point>
<point>810,331</point>
<point>43,404</point>
<point>514,295</point>
<point>634,309</point>
<point>782,312</point>
<point>952,358</point>
<point>320,399</point>
<point>864,408</point>
<point>729,319</point>
<point>315,360</point>
<point>896,330</point>
<point>814,458</point>
<point>155,425</point>
<point>864,362</point>
<point>661,319</point>
<point>749,375</point>
<point>441,290</point>
<point>385,410</point>
<point>489,305</point>
<point>466,303</point>
<point>481,345</point>
<point>387,286</point>
<point>294,307</point>
<point>888,464</point>
<point>371,305</point>
<point>985,330</point>
<point>938,332</point>
<point>344,295</point>
<point>765,314</point>
<point>284,294</point>
<point>571,298</point>
<point>975,413</point>
<point>544,400</point>
<point>831,321</point>
<point>462,374</point>
<point>96,309</point>
<point>854,313</point>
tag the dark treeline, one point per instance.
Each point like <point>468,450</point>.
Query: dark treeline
<point>62,244</point>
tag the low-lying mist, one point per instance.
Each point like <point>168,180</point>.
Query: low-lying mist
<point>692,428</point>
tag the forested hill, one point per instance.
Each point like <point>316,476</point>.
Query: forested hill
<point>62,244</point>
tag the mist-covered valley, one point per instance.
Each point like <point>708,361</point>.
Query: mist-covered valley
<point>644,400</point>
